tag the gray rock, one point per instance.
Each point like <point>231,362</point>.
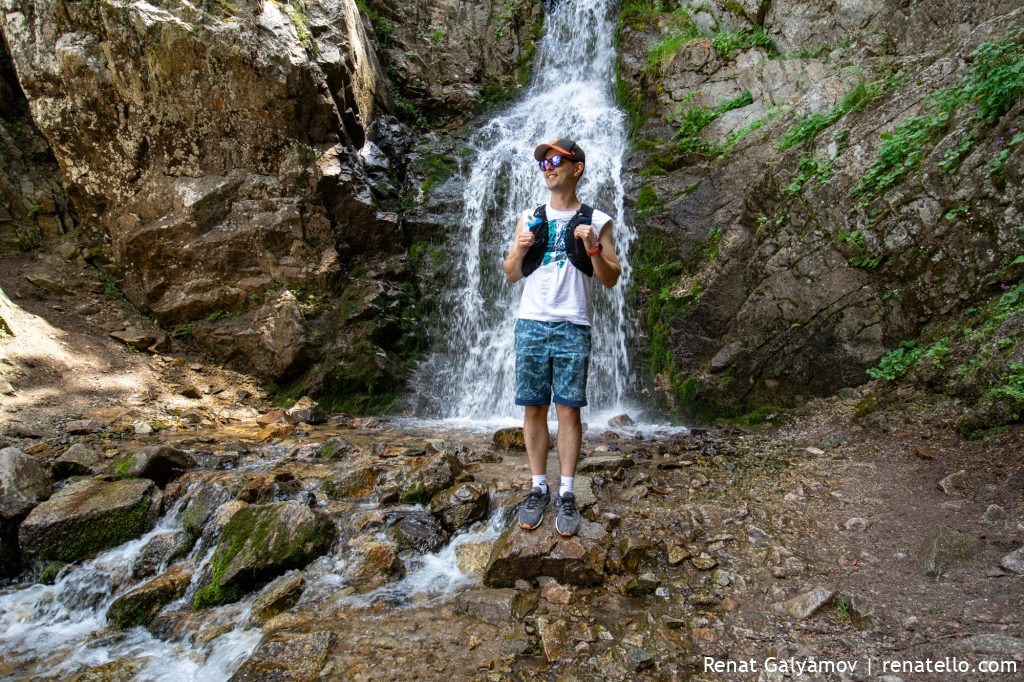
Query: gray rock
<point>955,483</point>
<point>140,605</point>
<point>259,543</point>
<point>641,585</point>
<point>805,605</point>
<point>945,549</point>
<point>140,339</point>
<point>496,607</point>
<point>993,514</point>
<point>429,476</point>
<point>80,427</point>
<point>460,505</point>
<point>203,503</point>
<point>285,655</point>
<point>373,563</point>
<point>1014,561</point>
<point>511,438</point>
<point>280,595</point>
<point>159,463</point>
<point>725,357</point>
<point>621,421</point>
<point>89,516</point>
<point>1004,647</point>
<point>555,639</point>
<point>604,463</point>
<point>161,549</point>
<point>78,460</point>
<point>417,530</point>
<point>23,484</point>
<point>578,560</point>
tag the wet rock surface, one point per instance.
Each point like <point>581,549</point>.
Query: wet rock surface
<point>141,605</point>
<point>520,554</point>
<point>88,516</point>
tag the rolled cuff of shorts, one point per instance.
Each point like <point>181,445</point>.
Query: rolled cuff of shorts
<point>532,403</point>
<point>559,400</point>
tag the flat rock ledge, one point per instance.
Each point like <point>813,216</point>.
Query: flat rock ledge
<point>521,554</point>
<point>89,516</point>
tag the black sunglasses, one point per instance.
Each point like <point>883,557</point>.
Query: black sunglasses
<point>554,162</point>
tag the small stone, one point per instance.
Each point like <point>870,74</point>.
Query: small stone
<point>1014,561</point>
<point>272,417</point>
<point>676,555</point>
<point>279,596</point>
<point>142,428</point>
<point>191,392</point>
<point>50,285</point>
<point>511,438</point>
<point>6,388</point>
<point>81,427</point>
<point>474,642</point>
<point>945,549</point>
<point>728,604</point>
<point>641,585</point>
<point>955,483</point>
<point>703,635</point>
<point>805,605</point>
<point>555,639</point>
<point>556,593</point>
<point>621,421</point>
<point>993,514</point>
<point>856,524</point>
<point>814,451</point>
<point>87,309</point>
<point>704,562</point>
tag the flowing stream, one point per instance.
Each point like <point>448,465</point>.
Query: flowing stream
<point>471,377</point>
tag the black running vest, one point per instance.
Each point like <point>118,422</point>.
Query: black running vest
<point>574,247</point>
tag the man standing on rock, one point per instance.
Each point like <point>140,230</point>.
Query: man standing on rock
<point>558,248</point>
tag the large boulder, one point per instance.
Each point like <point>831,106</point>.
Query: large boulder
<point>418,531</point>
<point>159,463</point>
<point>89,516</point>
<point>140,605</point>
<point>373,563</point>
<point>430,476</point>
<point>521,554</point>
<point>78,460</point>
<point>259,543</point>
<point>23,484</point>
<point>460,505</point>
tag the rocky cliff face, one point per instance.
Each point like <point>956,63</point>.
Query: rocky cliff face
<point>237,169</point>
<point>32,206</point>
<point>813,189</point>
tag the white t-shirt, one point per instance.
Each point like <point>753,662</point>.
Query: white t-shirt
<point>557,291</point>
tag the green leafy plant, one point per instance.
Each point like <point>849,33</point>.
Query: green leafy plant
<point>807,128</point>
<point>728,43</point>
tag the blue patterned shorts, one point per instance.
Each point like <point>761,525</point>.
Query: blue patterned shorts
<point>552,355</point>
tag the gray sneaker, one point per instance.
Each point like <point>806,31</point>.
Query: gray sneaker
<point>567,522</point>
<point>531,512</point>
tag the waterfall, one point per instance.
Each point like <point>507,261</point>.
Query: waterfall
<point>471,375</point>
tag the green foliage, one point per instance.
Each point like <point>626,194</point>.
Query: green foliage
<point>682,31</point>
<point>694,119</point>
<point>1011,386</point>
<point>639,14</point>
<point>896,363</point>
<point>806,129</point>
<point>728,43</point>
<point>994,85</point>
<point>437,168</point>
<point>808,169</point>
<point>382,28</point>
<point>647,202</point>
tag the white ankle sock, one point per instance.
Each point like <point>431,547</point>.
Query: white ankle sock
<point>541,481</point>
<point>565,485</point>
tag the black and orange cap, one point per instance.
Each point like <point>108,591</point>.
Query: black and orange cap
<point>563,146</point>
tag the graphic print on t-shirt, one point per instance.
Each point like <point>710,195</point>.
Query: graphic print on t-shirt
<point>555,252</point>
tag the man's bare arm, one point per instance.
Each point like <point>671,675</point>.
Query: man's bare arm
<point>521,243</point>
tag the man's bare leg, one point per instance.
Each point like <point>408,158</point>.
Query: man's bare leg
<point>538,440</point>
<point>570,436</point>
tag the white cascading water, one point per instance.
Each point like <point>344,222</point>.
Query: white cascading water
<point>50,630</point>
<point>471,376</point>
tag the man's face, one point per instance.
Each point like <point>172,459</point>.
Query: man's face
<point>563,177</point>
